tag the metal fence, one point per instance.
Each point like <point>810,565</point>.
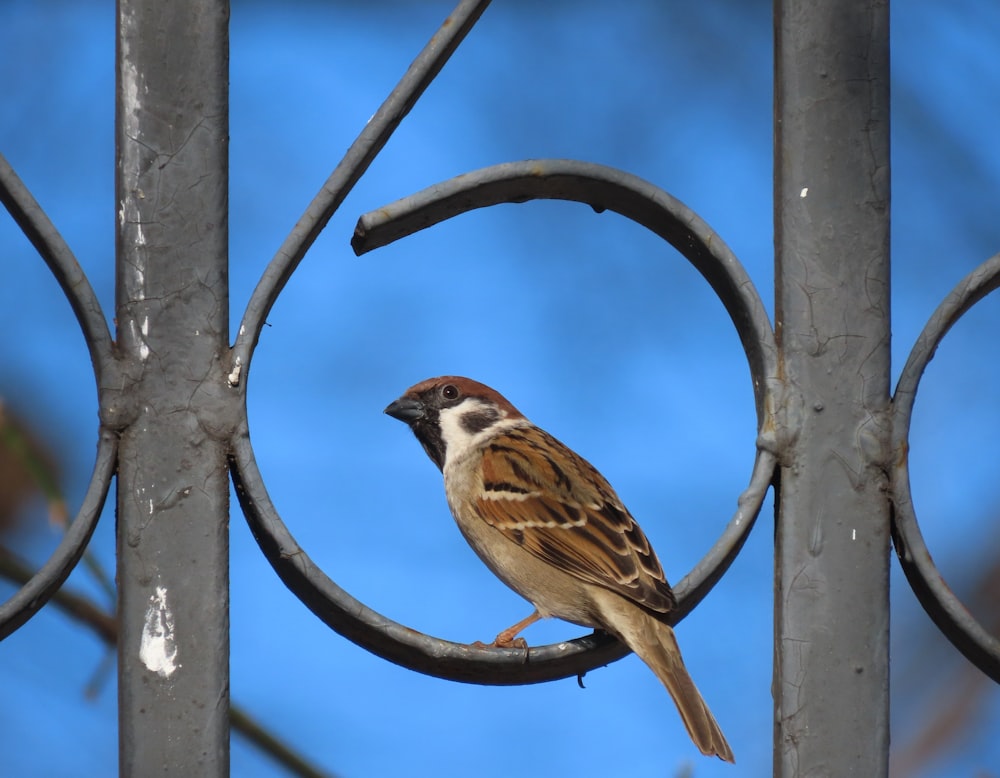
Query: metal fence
<point>820,380</point>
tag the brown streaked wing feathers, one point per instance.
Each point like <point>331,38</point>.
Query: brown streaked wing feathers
<point>572,520</point>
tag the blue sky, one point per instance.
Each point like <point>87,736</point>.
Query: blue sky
<point>593,328</point>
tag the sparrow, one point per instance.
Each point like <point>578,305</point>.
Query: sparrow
<point>550,526</point>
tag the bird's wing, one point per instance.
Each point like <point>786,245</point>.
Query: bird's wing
<point>555,505</point>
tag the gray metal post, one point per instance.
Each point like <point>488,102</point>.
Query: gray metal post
<point>832,325</point>
<point>172,316</point>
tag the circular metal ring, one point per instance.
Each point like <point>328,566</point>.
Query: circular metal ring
<point>941,604</point>
<point>382,636</point>
<point>604,189</point>
<point>67,271</point>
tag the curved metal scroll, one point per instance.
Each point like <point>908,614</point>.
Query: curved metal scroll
<point>71,278</point>
<point>347,173</point>
<point>941,604</point>
<point>603,188</point>
<point>384,637</point>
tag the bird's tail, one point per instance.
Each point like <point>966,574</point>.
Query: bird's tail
<point>656,645</point>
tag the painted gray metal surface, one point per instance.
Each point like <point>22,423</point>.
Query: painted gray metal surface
<point>172,391</point>
<point>831,651</point>
<point>177,408</point>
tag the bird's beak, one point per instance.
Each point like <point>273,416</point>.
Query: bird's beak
<point>407,409</point>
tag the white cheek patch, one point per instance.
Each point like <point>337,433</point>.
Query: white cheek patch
<point>458,439</point>
<point>452,432</point>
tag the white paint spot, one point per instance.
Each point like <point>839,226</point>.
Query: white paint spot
<point>234,374</point>
<point>139,337</point>
<point>150,506</point>
<point>158,647</point>
<point>854,534</point>
<point>143,346</point>
<point>804,192</point>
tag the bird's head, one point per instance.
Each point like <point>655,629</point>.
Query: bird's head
<point>451,414</point>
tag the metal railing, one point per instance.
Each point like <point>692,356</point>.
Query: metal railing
<point>172,390</point>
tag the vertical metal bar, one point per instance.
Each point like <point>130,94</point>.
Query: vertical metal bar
<point>832,271</point>
<point>172,315</point>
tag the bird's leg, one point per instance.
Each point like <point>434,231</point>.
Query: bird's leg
<point>508,638</point>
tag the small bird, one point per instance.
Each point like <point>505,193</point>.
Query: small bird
<point>551,527</point>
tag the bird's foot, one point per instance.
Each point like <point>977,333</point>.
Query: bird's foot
<point>508,638</point>
<point>503,641</point>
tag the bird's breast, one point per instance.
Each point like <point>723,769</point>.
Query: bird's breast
<point>552,591</point>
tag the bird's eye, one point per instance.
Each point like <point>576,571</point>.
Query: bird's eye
<point>449,392</point>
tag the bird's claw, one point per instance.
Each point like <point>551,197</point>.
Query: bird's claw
<point>502,641</point>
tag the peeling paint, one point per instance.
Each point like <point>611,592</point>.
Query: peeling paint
<point>158,647</point>
<point>133,86</point>
<point>130,80</point>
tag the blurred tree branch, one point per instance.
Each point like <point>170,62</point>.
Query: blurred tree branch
<point>27,467</point>
<point>104,625</point>
<point>955,705</point>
